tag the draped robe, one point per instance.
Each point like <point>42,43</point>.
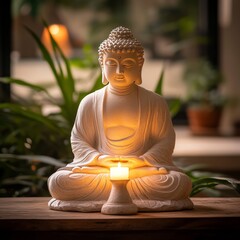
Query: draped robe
<point>153,141</point>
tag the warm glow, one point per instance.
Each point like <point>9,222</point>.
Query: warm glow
<point>54,29</point>
<point>60,34</point>
<point>119,173</point>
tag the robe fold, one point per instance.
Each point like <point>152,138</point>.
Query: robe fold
<point>153,140</point>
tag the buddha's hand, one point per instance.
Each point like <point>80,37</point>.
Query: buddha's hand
<point>132,161</point>
<point>107,161</point>
<point>126,161</point>
<point>90,170</point>
<point>147,171</point>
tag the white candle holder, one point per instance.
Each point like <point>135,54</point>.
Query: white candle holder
<point>119,201</point>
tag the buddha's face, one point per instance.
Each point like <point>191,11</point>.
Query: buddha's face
<point>121,69</point>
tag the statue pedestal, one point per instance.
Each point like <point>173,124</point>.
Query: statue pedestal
<point>119,201</point>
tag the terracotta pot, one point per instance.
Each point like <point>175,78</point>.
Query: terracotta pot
<point>204,121</point>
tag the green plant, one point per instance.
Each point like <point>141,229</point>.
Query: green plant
<point>202,82</point>
<point>204,181</point>
<point>31,140</point>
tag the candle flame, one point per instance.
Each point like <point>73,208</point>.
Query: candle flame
<point>119,164</point>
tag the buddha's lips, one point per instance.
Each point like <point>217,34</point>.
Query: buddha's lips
<point>119,77</point>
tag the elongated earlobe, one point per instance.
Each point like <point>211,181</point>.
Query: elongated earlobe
<point>138,81</point>
<point>104,80</point>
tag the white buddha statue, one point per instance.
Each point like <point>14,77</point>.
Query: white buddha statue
<point>122,122</point>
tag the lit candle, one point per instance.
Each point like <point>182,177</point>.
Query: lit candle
<point>119,173</point>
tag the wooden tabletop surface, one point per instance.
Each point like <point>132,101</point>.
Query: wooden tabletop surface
<point>33,214</point>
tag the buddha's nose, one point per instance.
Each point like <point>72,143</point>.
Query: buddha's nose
<point>120,69</point>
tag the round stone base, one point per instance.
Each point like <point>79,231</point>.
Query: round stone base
<point>119,209</point>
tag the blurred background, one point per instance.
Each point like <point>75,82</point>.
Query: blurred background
<point>173,33</point>
<point>196,43</point>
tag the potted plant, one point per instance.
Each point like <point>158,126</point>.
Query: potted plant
<point>203,97</point>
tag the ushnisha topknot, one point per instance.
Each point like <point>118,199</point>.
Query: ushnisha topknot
<point>121,40</point>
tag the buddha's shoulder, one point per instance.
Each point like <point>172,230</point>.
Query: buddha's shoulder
<point>92,97</point>
<point>151,96</point>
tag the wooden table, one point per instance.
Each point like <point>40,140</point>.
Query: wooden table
<point>30,218</point>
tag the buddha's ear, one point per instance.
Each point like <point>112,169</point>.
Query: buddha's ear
<point>104,79</point>
<point>138,81</point>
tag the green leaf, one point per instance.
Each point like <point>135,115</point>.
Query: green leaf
<point>14,181</point>
<point>35,158</point>
<point>174,106</point>
<point>26,113</point>
<point>211,182</point>
<point>70,86</point>
<point>44,51</point>
<point>49,60</point>
<point>158,88</point>
<point>23,83</point>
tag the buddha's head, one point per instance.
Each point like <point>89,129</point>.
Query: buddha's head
<point>121,56</point>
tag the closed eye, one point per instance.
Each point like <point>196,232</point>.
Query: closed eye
<point>111,63</point>
<point>128,63</point>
